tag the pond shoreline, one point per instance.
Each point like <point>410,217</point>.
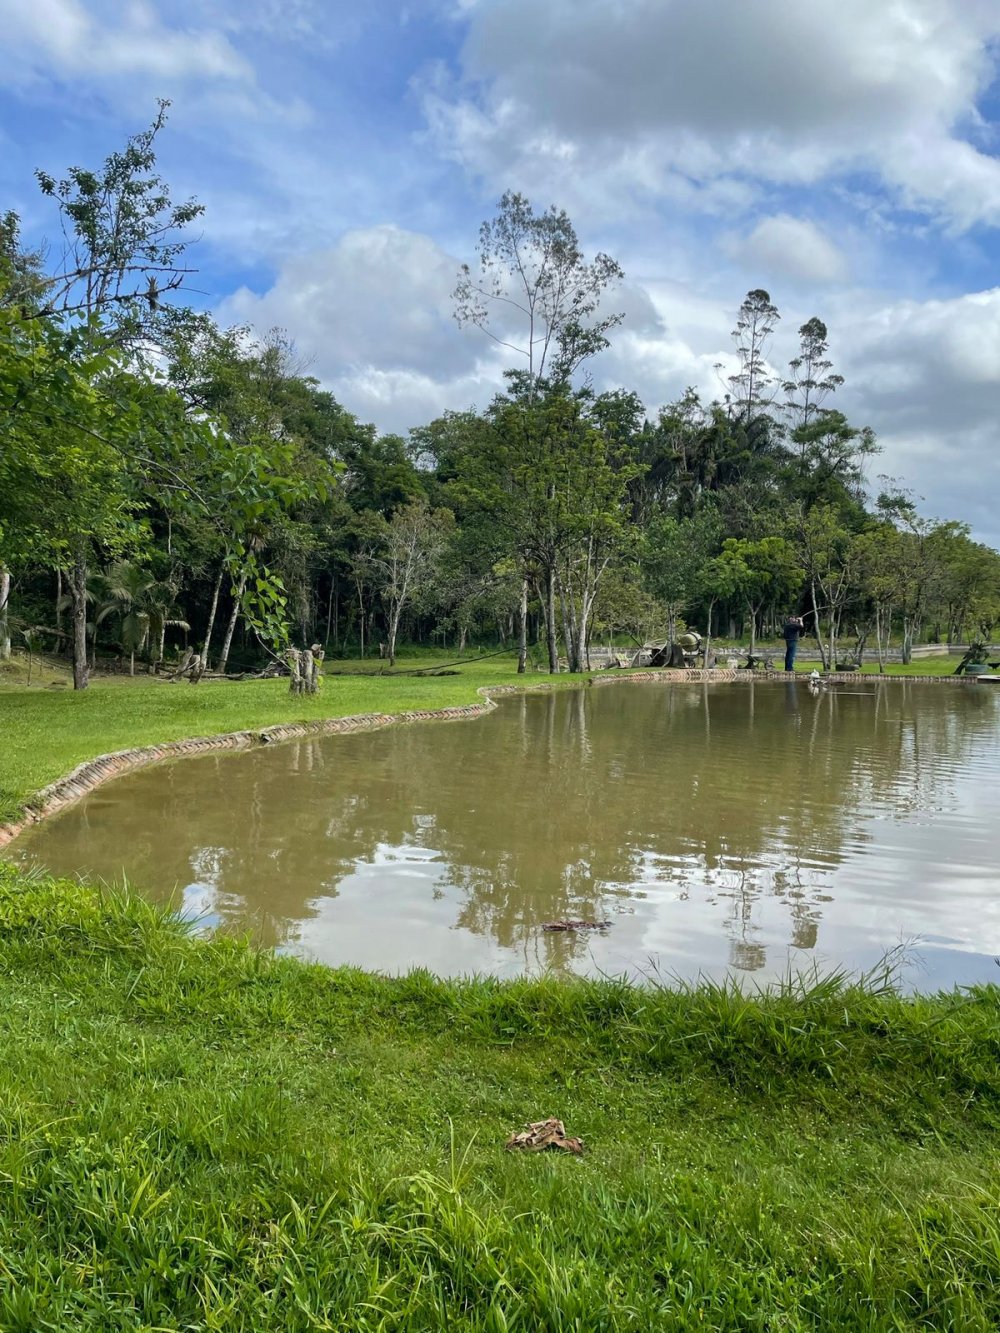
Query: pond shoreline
<point>92,773</point>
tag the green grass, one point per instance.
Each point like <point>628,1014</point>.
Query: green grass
<point>197,1135</point>
<point>921,666</point>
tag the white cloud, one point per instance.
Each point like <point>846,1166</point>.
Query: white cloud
<point>668,96</point>
<point>373,316</point>
<point>46,36</point>
<point>796,248</point>
<point>380,297</point>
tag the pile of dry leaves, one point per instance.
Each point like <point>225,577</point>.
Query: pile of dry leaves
<point>545,1134</point>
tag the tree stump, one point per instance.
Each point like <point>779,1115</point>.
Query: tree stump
<point>304,665</point>
<point>191,667</point>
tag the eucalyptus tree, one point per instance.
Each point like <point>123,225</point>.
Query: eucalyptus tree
<point>403,559</point>
<point>811,375</point>
<point>753,386</point>
<point>533,292</point>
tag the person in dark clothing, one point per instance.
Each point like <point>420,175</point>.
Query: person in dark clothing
<point>791,634</point>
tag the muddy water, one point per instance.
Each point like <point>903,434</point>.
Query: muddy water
<point>749,827</point>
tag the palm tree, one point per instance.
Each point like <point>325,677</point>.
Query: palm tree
<point>146,606</point>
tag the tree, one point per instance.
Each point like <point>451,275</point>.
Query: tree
<point>831,461</point>
<point>676,556</point>
<point>810,381</point>
<point>243,468</point>
<point>555,484</point>
<point>882,576</point>
<point>532,274</point>
<point>406,560</point>
<point>751,388</point>
<point>123,248</point>
<point>122,253</point>
<point>71,418</point>
<point>831,555</point>
<point>146,607</point>
<point>762,573</point>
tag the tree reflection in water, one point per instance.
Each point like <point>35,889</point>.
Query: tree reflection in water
<point>712,824</point>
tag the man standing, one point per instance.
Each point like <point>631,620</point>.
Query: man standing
<point>791,633</point>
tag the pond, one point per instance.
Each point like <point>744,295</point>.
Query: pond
<point>750,828</point>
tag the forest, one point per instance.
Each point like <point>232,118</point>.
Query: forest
<point>167,483</point>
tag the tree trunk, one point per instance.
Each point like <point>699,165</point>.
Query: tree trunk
<point>907,653</point>
<point>567,613</point>
<point>81,676</point>
<point>462,633</point>
<point>211,617</point>
<point>708,635</point>
<point>394,614</point>
<point>336,613</point>
<point>4,622</point>
<point>550,619</point>
<point>230,628</point>
<point>329,610</point>
<point>818,629</point>
<point>304,666</point>
<point>522,629</point>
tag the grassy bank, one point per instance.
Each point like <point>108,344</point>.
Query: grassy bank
<point>195,1135</point>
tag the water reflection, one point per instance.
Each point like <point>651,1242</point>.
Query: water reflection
<point>716,826</point>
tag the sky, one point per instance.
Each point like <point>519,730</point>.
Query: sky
<point>842,154</point>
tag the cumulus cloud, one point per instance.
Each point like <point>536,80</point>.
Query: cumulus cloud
<point>791,247</point>
<point>380,296</point>
<point>663,94</point>
<point>373,316</point>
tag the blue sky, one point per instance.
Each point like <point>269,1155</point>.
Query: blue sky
<point>846,156</point>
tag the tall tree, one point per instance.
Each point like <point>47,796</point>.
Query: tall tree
<point>752,386</point>
<point>122,254</point>
<point>534,293</point>
<point>811,379</point>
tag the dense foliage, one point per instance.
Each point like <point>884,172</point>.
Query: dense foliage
<point>163,480</point>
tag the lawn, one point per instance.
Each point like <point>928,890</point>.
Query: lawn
<point>196,1135</point>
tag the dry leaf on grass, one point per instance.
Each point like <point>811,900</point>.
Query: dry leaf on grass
<point>544,1134</point>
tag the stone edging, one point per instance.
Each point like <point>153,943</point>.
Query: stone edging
<point>93,772</point>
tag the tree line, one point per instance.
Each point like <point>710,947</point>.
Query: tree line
<point>166,481</point>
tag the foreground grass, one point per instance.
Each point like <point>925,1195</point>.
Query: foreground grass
<point>196,1135</point>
